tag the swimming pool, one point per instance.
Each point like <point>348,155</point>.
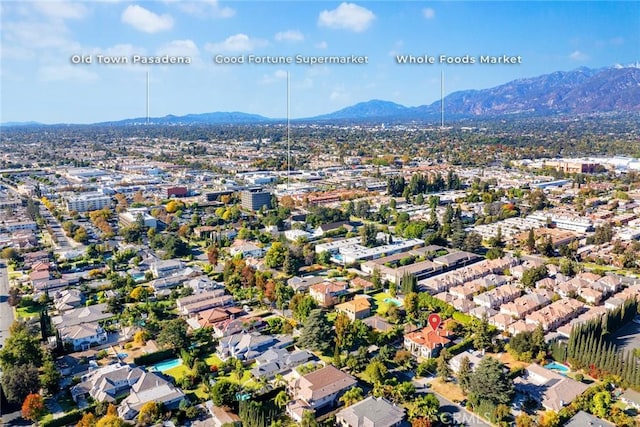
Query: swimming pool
<point>138,277</point>
<point>122,355</point>
<point>166,365</point>
<point>557,367</point>
<point>393,301</point>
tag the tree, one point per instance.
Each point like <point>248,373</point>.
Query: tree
<point>472,242</point>
<point>490,382</point>
<point>88,420</point>
<point>524,420</point>
<point>275,256</point>
<point>442,368</point>
<point>368,235</point>
<point>342,326</point>
<point>281,399</point>
<point>110,421</point>
<point>532,275</point>
<point>464,374</point>
<point>139,293</point>
<point>173,334</point>
<point>33,407</point>
<point>376,371</point>
<point>301,305</point>
<point>408,283</point>
<point>531,241</point>
<point>18,381</point>
<point>316,332</point>
<point>425,406</point>
<point>481,334</point>
<point>51,377</point>
<point>411,305</point>
<point>351,396</point>
<point>149,412</point>
<point>376,279</point>
<point>601,404</point>
<point>403,359</point>
<point>549,419</point>
<point>9,253</point>
<point>223,393</point>
<point>309,419</point>
<point>213,254</point>
<point>21,348</point>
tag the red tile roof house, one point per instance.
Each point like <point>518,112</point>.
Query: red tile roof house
<point>326,293</point>
<point>317,390</point>
<point>427,342</point>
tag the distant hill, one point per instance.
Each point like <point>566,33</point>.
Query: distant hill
<point>572,92</point>
<point>580,91</point>
<point>204,118</point>
<point>374,109</point>
<point>8,124</point>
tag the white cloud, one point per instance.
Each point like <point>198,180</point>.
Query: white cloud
<point>289,35</point>
<point>236,43</point>
<point>144,20</point>
<point>274,77</point>
<point>38,35</point>
<point>50,73</point>
<point>347,16</point>
<point>578,56</point>
<point>122,50</point>
<point>61,9</point>
<point>179,48</point>
<point>182,48</point>
<point>321,45</point>
<point>206,8</point>
<point>428,13</point>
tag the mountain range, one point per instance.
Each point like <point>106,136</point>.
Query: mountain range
<point>580,91</point>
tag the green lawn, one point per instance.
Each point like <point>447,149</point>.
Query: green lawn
<point>379,305</point>
<point>178,372</point>
<point>213,359</point>
<point>30,311</point>
<point>199,392</point>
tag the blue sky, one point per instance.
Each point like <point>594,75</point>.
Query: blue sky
<point>39,81</point>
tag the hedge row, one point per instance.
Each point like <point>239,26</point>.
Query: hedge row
<point>68,418</point>
<point>465,319</point>
<point>154,357</point>
<point>461,346</point>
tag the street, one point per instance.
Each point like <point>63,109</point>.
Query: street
<point>6,312</point>
<point>450,413</point>
<point>6,319</point>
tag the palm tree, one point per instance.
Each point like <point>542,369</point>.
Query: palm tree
<point>281,399</point>
<point>351,396</point>
<point>279,381</point>
<point>309,419</point>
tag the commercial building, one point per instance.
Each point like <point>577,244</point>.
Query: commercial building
<point>86,202</point>
<point>254,199</point>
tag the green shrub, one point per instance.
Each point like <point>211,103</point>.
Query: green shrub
<point>154,357</point>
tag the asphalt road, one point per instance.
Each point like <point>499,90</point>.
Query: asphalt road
<point>6,319</point>
<point>450,414</point>
<point>6,312</point>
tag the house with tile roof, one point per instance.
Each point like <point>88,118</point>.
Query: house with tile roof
<point>317,390</point>
<point>357,308</point>
<point>427,342</point>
